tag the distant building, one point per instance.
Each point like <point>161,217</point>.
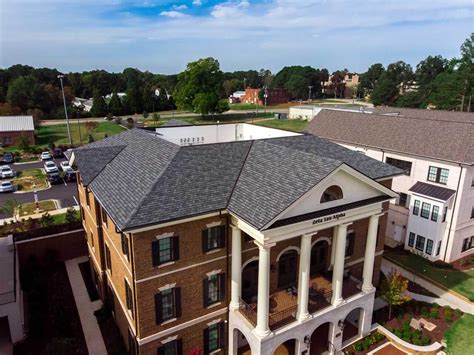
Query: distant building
<point>351,82</point>
<point>121,95</point>
<point>11,296</point>
<point>12,128</point>
<point>307,112</point>
<point>84,104</point>
<point>275,96</point>
<point>236,97</point>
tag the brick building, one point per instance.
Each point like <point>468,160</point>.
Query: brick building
<point>275,96</point>
<point>12,128</point>
<point>214,247</point>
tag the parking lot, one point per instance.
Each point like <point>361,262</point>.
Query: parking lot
<point>65,193</point>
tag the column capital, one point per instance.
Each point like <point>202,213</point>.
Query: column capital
<point>344,225</point>
<point>378,215</point>
<point>263,247</point>
<point>308,235</point>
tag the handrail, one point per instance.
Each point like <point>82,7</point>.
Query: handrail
<point>248,311</point>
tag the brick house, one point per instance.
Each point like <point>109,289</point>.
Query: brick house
<point>213,248</point>
<point>275,96</point>
<point>12,128</point>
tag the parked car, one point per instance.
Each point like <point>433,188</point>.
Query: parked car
<point>46,156</point>
<point>70,175</point>
<point>57,153</point>
<point>50,167</point>
<point>54,178</point>
<point>6,172</point>
<point>6,186</point>
<point>65,166</point>
<point>8,158</point>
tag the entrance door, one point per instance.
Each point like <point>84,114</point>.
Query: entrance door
<point>287,269</point>
<point>318,257</point>
<point>250,281</point>
<point>397,233</point>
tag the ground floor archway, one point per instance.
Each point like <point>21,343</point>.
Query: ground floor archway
<point>250,282</point>
<point>287,348</point>
<point>352,324</point>
<point>319,339</point>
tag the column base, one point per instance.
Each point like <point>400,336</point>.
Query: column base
<point>234,307</point>
<point>368,289</point>
<point>337,302</point>
<point>303,317</point>
<point>261,333</point>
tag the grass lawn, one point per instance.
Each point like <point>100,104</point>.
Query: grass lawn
<point>30,208</point>
<point>58,133</point>
<point>456,280</point>
<point>459,337</point>
<point>289,125</point>
<point>29,179</point>
<point>61,218</point>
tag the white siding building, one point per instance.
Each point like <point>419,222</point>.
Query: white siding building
<point>434,215</point>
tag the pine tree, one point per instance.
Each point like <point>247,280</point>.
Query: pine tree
<point>115,105</point>
<point>99,107</point>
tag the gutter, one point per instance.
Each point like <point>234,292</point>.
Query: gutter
<point>452,215</point>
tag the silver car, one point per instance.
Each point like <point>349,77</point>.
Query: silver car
<point>6,172</point>
<point>6,186</point>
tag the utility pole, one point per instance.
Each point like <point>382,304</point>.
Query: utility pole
<point>60,77</point>
<point>265,95</point>
<point>245,83</point>
<point>309,94</point>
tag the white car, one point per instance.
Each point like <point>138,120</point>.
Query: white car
<point>6,186</point>
<point>45,156</point>
<point>50,167</point>
<point>65,166</point>
<point>6,172</point>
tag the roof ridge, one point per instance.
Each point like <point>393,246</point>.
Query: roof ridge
<point>108,162</point>
<point>240,173</point>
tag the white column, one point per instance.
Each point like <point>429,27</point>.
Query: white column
<point>370,254</point>
<point>333,247</point>
<point>303,281</point>
<point>262,329</point>
<point>338,270</point>
<point>236,268</point>
<point>335,339</point>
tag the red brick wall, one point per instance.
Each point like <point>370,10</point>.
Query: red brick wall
<point>15,137</point>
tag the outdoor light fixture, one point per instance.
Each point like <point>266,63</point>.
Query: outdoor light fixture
<point>341,325</point>
<point>307,340</point>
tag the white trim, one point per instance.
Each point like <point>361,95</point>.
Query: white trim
<point>48,236</point>
<point>124,308</point>
<point>291,247</point>
<point>215,321</point>
<point>244,265</point>
<point>358,261</point>
<point>179,270</point>
<point>164,235</point>
<point>213,224</point>
<point>169,339</point>
<point>321,239</point>
<point>167,287</point>
<point>214,272</point>
<point>169,263</point>
<point>181,326</point>
<point>119,252</point>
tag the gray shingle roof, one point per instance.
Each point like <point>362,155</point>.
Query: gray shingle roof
<point>175,123</point>
<point>438,192</point>
<point>148,180</point>
<point>16,123</point>
<point>438,139</point>
<point>434,115</point>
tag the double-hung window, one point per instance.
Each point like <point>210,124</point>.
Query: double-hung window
<point>165,250</point>
<point>174,347</point>
<point>402,201</point>
<point>128,296</point>
<point>438,249</point>
<point>214,338</point>
<point>411,240</point>
<point>429,246</point>
<point>420,243</point>
<point>168,304</point>
<point>124,241</point>
<point>467,243</point>
<point>435,213</point>
<point>213,289</point>
<point>108,260</point>
<point>438,175</point>
<point>401,164</point>
<point>213,238</point>
<point>416,207</point>
<point>425,210</point>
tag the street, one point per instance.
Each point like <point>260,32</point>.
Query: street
<point>65,193</point>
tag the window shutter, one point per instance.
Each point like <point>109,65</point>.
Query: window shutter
<point>175,248</point>
<point>222,286</point>
<point>222,337</point>
<point>177,301</point>
<point>179,346</point>
<point>205,292</point>
<point>206,341</point>
<point>158,306</point>
<point>221,236</point>
<point>155,252</point>
<point>205,248</point>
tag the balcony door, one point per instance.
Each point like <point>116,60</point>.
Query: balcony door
<point>287,269</point>
<point>319,254</point>
<point>250,282</point>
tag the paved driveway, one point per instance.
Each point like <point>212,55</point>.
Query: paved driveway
<point>65,193</point>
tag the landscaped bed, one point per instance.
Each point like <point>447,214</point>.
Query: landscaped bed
<point>26,209</point>
<point>443,274</point>
<point>30,179</point>
<point>363,346</point>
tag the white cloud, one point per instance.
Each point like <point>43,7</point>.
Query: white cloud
<point>197,2</point>
<point>173,14</point>
<point>230,9</point>
<point>179,7</point>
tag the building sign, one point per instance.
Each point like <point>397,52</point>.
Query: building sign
<point>329,218</point>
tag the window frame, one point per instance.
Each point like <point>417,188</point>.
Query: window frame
<point>420,238</point>
<point>411,239</point>
<point>176,346</point>
<point>175,296</point>
<point>219,329</point>
<point>207,238</point>
<point>425,213</point>
<point>156,252</point>
<point>467,244</point>
<point>429,247</point>
<point>435,213</point>
<point>104,216</point>
<point>125,245</point>
<point>404,199</point>
<point>438,175</point>
<point>108,258</point>
<point>128,296</point>
<point>400,164</point>
<point>416,207</point>
<point>219,292</point>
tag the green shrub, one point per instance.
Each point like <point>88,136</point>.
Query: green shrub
<point>425,340</point>
<point>434,313</point>
<point>424,311</point>
<point>459,312</point>
<point>448,317</point>
<point>366,343</point>
<point>358,346</point>
<point>435,306</point>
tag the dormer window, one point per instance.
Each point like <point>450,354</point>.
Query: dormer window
<point>332,193</point>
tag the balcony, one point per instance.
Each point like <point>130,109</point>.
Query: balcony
<point>283,303</point>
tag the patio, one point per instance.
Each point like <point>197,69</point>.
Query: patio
<point>283,303</point>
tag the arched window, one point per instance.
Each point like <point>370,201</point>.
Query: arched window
<point>332,193</point>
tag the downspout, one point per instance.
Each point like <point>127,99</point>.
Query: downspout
<point>228,272</point>
<point>452,215</point>
<point>130,237</point>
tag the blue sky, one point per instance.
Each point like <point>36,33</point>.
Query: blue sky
<point>162,36</point>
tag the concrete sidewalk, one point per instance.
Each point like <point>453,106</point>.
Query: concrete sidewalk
<point>85,308</point>
<point>444,298</point>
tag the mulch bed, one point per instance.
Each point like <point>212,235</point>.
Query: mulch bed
<point>53,320</point>
<point>413,287</point>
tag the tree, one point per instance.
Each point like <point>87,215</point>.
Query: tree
<point>133,100</point>
<point>466,70</point>
<point>9,207</point>
<point>446,91</point>
<point>99,107</point>
<point>223,106</point>
<point>24,92</point>
<point>46,220</point>
<point>115,105</point>
<point>230,86</point>
<point>369,79</point>
<point>24,143</point>
<point>71,215</point>
<point>156,118</point>
<point>199,87</point>
<point>394,290</point>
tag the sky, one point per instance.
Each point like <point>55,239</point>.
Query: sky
<point>163,36</point>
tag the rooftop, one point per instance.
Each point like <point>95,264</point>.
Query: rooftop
<point>446,139</point>
<point>434,115</point>
<point>142,179</point>
<point>430,190</point>
<point>16,123</point>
